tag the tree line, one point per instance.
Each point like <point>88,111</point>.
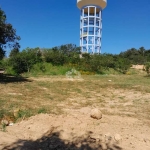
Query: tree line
<point>68,55</point>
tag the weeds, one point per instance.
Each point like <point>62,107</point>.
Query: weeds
<point>22,114</point>
<point>42,110</point>
<point>3,127</point>
<point>53,94</point>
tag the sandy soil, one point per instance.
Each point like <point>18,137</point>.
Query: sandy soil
<point>76,130</point>
<point>119,129</point>
<point>139,67</point>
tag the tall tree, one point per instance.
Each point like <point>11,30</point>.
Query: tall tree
<point>8,35</point>
<point>14,52</point>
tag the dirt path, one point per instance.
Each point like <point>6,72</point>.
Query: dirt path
<point>76,130</point>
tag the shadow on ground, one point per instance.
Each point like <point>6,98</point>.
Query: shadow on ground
<point>52,141</point>
<point>7,78</point>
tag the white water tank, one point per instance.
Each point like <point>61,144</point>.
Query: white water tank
<point>100,3</point>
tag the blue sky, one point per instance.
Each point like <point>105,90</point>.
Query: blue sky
<point>49,23</point>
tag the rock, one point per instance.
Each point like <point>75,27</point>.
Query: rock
<point>11,124</point>
<point>5,122</point>
<point>96,113</point>
<point>118,137</point>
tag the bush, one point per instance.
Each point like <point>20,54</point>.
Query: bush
<point>122,65</point>
<point>49,69</point>
<point>23,61</point>
<point>147,68</point>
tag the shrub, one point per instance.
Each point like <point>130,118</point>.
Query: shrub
<point>147,68</point>
<point>49,69</point>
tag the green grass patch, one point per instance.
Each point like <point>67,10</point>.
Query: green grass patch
<point>52,94</point>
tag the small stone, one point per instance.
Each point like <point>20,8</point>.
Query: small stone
<point>5,122</point>
<point>11,124</point>
<point>118,137</point>
<point>96,113</point>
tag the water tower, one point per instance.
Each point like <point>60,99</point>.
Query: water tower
<point>91,25</point>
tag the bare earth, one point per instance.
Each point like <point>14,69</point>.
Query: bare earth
<point>119,128</point>
<point>75,127</point>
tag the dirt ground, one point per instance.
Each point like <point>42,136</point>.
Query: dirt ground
<point>121,127</point>
<point>76,130</point>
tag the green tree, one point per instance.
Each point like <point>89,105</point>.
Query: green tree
<point>135,56</point>
<point>55,57</point>
<point>24,61</point>
<point>8,35</point>
<point>14,52</point>
<point>122,65</point>
<point>142,51</point>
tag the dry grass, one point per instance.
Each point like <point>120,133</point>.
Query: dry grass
<point>123,95</point>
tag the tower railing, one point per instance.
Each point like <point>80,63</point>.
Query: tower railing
<point>90,29</point>
<point>91,25</point>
